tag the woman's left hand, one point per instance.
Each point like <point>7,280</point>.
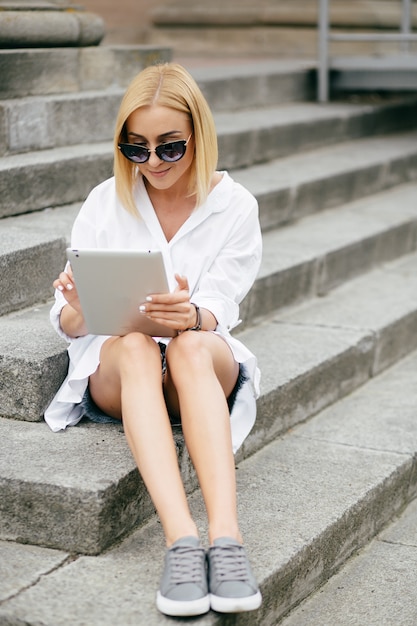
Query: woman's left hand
<point>174,310</point>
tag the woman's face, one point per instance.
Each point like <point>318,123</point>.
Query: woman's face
<point>155,125</point>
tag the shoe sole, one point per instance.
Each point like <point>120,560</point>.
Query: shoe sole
<point>182,608</point>
<point>235,605</point>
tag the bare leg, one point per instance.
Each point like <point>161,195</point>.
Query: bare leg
<point>203,371</point>
<point>128,382</point>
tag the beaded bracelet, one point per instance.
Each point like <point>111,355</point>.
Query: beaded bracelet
<point>198,325</point>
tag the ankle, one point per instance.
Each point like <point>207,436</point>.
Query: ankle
<point>234,533</point>
<point>173,536</point>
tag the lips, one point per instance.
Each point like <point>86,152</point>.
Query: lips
<point>160,174</point>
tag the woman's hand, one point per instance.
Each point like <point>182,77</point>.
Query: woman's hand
<point>71,319</point>
<point>66,285</point>
<point>173,310</point>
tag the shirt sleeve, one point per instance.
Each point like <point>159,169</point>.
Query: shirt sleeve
<point>82,236</point>
<point>233,271</point>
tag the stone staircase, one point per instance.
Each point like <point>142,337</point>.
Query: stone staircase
<point>265,28</point>
<point>332,318</point>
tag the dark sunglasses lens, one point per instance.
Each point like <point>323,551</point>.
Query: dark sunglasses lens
<point>137,154</point>
<point>171,152</point>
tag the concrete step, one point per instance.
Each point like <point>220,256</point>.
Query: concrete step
<point>376,586</point>
<point>48,121</point>
<point>307,502</point>
<point>257,136</point>
<point>81,491</point>
<point>230,86</point>
<point>321,251</point>
<point>300,261</point>
<point>32,251</point>
<point>52,177</point>
<point>395,72</point>
<point>40,71</point>
<point>54,121</point>
<point>293,187</point>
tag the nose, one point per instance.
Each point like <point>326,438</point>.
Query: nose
<point>154,159</point>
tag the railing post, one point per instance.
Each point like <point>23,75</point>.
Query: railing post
<point>406,23</point>
<point>323,46</point>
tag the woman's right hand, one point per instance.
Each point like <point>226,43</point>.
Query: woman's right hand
<point>71,318</point>
<point>66,285</point>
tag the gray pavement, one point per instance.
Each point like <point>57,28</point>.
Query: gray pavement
<point>375,588</point>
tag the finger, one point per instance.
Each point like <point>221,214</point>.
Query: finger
<point>68,270</point>
<point>182,282</point>
<point>63,282</point>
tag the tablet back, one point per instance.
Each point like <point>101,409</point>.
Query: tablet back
<point>112,284</point>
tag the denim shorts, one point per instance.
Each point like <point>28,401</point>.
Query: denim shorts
<point>95,414</point>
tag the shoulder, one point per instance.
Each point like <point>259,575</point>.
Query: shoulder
<point>232,198</point>
<point>105,190</point>
<point>101,200</point>
<point>227,194</point>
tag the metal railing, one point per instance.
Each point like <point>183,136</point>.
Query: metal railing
<point>404,37</point>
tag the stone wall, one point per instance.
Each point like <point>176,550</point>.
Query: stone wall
<point>127,21</point>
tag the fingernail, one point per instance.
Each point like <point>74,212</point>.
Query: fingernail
<point>142,308</point>
<point>69,287</point>
<point>148,298</point>
<point>60,288</point>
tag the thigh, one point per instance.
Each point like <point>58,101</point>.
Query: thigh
<point>221,363</point>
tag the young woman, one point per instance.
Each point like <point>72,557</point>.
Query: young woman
<point>166,194</point>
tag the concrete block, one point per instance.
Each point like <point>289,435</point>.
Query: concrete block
<point>130,60</point>
<point>38,123</point>
<point>48,29</point>
<point>84,118</point>
<point>30,273</point>
<point>32,253</point>
<point>37,71</point>
<point>376,587</point>
<point>317,360</point>
<point>52,178</point>
<point>116,66</point>
<point>33,362</point>
<point>403,530</point>
<point>309,368</point>
<point>247,85</point>
<point>83,511</point>
<point>382,302</point>
<point>277,132</point>
<point>346,242</point>
<point>295,186</point>
<point>64,70</point>
<point>29,125</point>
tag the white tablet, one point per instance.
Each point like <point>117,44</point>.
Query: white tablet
<point>112,284</point>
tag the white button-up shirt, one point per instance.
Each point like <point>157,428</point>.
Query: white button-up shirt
<point>218,249</point>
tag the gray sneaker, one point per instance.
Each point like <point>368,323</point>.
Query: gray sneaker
<point>232,585</point>
<point>183,589</point>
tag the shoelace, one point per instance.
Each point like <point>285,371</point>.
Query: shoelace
<point>230,563</point>
<point>185,563</point>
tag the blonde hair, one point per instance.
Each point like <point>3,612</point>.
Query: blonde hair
<point>168,85</point>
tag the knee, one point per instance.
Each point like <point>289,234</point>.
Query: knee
<point>188,350</point>
<point>137,349</point>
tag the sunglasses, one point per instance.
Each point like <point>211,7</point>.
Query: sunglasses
<point>169,152</point>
